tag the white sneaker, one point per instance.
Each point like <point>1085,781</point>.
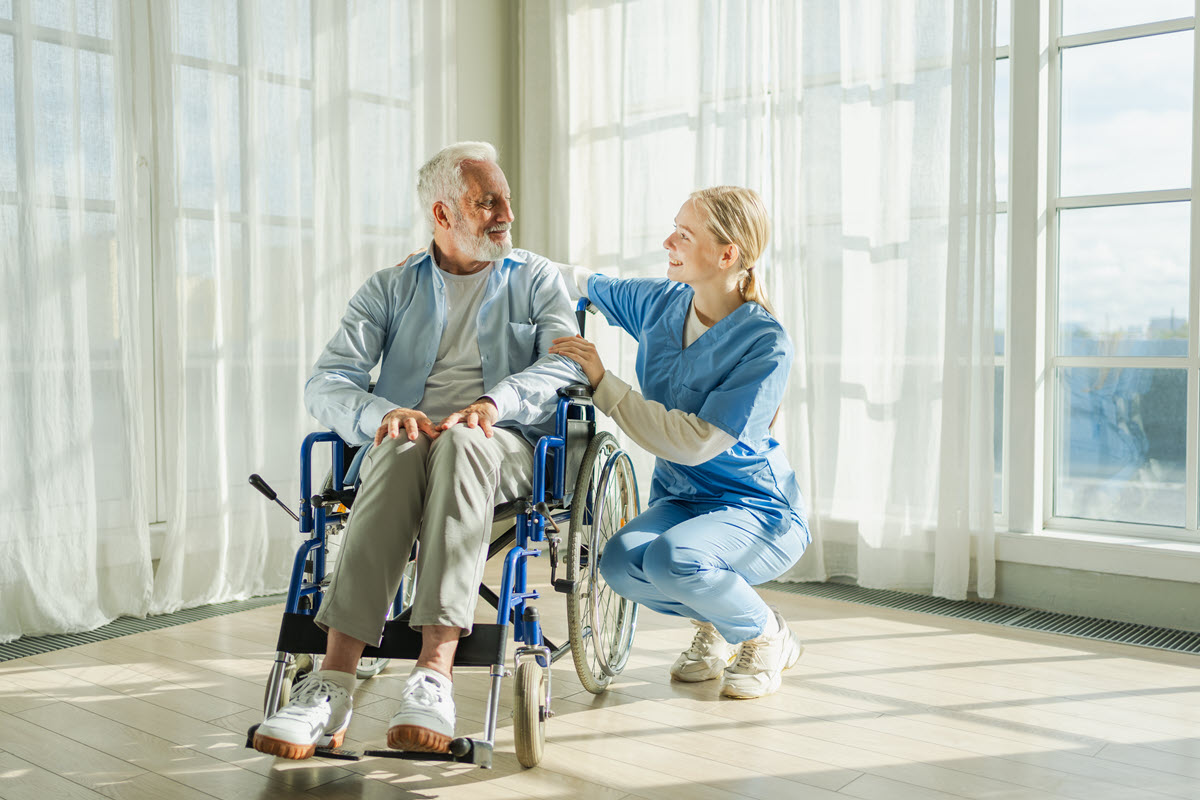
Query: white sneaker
<point>317,715</point>
<point>706,659</point>
<point>758,669</point>
<point>425,721</point>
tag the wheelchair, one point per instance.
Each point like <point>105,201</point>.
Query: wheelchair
<point>582,480</point>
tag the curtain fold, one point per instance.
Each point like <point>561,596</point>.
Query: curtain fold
<point>867,128</point>
<point>290,168</point>
<point>74,525</point>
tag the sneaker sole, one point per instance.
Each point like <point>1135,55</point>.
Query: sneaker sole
<point>296,752</point>
<point>729,691</point>
<point>417,739</point>
<point>698,677</point>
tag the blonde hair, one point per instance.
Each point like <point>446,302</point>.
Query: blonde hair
<point>738,216</point>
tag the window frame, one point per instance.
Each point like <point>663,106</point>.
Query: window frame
<point>1031,358</point>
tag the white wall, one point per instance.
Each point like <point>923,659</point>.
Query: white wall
<point>487,52</point>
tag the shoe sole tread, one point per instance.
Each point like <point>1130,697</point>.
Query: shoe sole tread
<point>415,738</point>
<point>291,750</point>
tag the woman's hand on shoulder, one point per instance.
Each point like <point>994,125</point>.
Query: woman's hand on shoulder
<point>583,353</point>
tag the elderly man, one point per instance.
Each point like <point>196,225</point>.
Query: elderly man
<point>461,331</point>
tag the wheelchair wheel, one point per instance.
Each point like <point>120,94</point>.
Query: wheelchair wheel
<point>600,622</point>
<point>283,677</point>
<point>529,713</point>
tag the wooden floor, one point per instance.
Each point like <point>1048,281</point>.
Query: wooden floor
<point>884,705</point>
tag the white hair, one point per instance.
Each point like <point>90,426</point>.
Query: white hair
<point>440,179</point>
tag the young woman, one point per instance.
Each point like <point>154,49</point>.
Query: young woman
<point>725,512</point>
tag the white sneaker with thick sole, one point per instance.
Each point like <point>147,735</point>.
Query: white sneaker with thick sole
<point>758,669</point>
<point>317,715</point>
<point>425,721</point>
<point>707,657</point>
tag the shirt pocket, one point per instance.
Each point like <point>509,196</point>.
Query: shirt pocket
<point>522,345</point>
<point>688,399</point>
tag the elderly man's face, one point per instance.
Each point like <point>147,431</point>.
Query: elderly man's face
<point>481,224</point>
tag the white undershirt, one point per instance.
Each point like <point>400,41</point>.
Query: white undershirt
<point>457,377</point>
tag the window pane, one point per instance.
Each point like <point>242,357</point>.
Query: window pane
<point>284,38</point>
<point>285,173</point>
<point>53,117</point>
<point>1003,21</point>
<point>208,29</point>
<point>207,139</point>
<point>998,444</point>
<point>52,14</point>
<point>1123,280</point>
<point>91,17</point>
<point>8,118</point>
<point>1127,115</point>
<point>1000,310</point>
<point>1002,104</point>
<point>94,17</point>
<point>382,170</point>
<point>1120,448</point>
<point>97,140</point>
<point>6,9</point>
<point>1084,16</point>
<point>376,26</point>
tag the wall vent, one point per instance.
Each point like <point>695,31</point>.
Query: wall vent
<point>123,626</point>
<point>999,614</point>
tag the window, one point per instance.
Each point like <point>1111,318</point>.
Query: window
<point>1120,343</point>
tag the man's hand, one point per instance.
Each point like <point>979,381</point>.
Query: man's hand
<point>482,413</point>
<point>413,423</point>
<point>583,353</point>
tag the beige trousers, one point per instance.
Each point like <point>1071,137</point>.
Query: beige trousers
<point>442,493</point>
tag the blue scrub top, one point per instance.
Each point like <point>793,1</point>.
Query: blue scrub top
<point>733,376</point>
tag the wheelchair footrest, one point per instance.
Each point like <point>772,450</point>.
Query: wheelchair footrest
<point>338,752</point>
<point>298,633</point>
<point>462,750</point>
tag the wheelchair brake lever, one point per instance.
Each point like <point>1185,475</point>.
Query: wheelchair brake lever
<point>258,483</point>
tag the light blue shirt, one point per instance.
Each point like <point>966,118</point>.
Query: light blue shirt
<point>396,320</point>
<point>733,377</point>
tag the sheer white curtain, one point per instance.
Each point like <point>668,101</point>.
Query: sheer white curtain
<point>190,191</point>
<point>867,129</point>
<point>296,133</point>
<point>74,522</point>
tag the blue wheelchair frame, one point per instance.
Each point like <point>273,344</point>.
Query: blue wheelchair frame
<point>486,645</point>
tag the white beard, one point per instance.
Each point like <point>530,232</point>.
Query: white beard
<point>480,248</point>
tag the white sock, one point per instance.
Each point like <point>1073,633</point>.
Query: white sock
<point>772,627</point>
<point>346,680</point>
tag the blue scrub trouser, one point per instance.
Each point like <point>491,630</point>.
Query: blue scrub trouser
<point>701,562</point>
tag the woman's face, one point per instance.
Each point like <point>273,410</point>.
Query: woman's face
<point>693,254</point>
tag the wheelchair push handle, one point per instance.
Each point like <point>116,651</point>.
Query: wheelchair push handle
<point>258,483</point>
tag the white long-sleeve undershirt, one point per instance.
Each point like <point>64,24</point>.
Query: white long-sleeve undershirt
<point>667,433</point>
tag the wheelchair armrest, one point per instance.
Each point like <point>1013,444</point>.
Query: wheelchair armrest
<point>576,391</point>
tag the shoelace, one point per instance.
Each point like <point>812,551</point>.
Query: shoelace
<point>425,692</point>
<point>748,653</point>
<point>311,687</point>
<point>703,641</point>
